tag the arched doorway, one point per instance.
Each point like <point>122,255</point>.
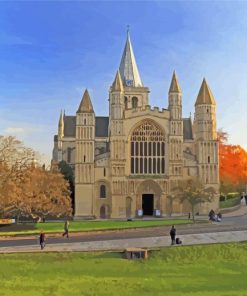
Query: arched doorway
<point>148,197</point>
<point>148,204</point>
<point>104,212</point>
<point>128,207</point>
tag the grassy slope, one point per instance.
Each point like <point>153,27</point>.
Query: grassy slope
<point>190,271</point>
<point>95,225</point>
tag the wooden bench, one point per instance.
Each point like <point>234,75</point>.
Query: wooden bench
<point>136,253</point>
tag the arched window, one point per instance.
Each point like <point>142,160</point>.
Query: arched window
<point>102,191</point>
<point>126,102</point>
<point>147,147</point>
<point>134,102</point>
<point>69,155</point>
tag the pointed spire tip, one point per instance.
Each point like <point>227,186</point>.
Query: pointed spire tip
<point>205,95</point>
<point>128,67</point>
<point>174,86</point>
<point>117,84</point>
<point>86,104</point>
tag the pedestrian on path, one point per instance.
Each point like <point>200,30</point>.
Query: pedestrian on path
<point>173,235</point>
<point>42,240</point>
<point>66,229</point>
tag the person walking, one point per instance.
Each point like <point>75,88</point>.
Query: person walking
<point>42,240</point>
<point>173,235</point>
<point>66,229</point>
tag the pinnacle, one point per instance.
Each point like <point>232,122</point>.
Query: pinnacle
<point>61,118</point>
<point>205,95</point>
<point>117,84</point>
<point>86,104</point>
<point>174,87</point>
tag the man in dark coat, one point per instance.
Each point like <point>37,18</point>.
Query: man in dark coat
<point>42,240</point>
<point>173,235</point>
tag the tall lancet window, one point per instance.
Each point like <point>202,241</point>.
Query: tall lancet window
<point>134,102</point>
<point>147,147</point>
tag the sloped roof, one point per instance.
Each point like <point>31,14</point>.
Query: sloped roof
<point>102,123</point>
<point>69,126</point>
<point>187,129</point>
<point>101,129</point>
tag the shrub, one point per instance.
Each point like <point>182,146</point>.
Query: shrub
<point>232,195</point>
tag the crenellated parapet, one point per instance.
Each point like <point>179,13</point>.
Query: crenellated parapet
<point>147,110</point>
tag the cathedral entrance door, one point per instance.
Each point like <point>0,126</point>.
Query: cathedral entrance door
<point>148,204</point>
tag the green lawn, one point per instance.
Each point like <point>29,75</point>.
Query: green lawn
<point>191,271</point>
<point>231,202</point>
<point>89,226</point>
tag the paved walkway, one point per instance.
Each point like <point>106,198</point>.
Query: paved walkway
<point>239,212</point>
<point>121,244</point>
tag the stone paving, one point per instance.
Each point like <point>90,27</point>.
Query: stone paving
<point>153,238</point>
<point>121,244</point>
<point>239,212</point>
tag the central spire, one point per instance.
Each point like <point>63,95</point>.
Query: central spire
<point>128,68</point>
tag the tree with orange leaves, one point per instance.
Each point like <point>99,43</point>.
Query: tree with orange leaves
<point>232,165</point>
<point>27,189</point>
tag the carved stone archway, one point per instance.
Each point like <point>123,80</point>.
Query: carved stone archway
<point>151,188</point>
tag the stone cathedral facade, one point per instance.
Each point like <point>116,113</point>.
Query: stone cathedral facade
<point>125,164</point>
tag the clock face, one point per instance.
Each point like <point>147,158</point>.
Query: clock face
<point>129,82</point>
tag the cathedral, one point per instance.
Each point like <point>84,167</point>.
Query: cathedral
<point>126,164</point>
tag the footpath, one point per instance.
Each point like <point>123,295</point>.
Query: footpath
<point>116,243</point>
<point>122,244</point>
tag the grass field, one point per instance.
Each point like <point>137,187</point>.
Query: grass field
<point>231,202</point>
<point>86,226</point>
<point>191,271</point>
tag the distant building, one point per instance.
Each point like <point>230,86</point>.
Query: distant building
<point>126,164</point>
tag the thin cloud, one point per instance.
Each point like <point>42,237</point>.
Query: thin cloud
<point>14,130</point>
<point>21,130</point>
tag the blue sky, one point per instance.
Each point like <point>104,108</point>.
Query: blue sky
<point>51,51</point>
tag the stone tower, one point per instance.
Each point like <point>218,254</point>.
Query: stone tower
<point>176,129</point>
<point>135,94</point>
<point>127,93</point>
<point>117,140</point>
<point>206,137</point>
<point>84,160</point>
